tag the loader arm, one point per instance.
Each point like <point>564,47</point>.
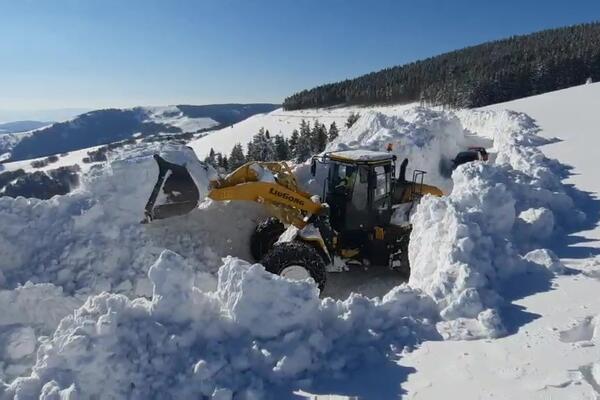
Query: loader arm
<point>272,184</point>
<point>290,206</point>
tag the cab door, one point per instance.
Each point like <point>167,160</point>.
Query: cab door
<point>358,210</point>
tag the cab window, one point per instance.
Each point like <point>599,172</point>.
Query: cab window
<point>382,182</point>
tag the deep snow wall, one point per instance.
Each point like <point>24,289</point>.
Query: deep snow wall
<point>465,245</point>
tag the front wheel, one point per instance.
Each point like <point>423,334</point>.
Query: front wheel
<point>264,237</point>
<point>296,261</point>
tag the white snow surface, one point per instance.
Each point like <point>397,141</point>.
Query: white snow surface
<point>181,322</point>
<point>281,122</point>
<point>172,116</point>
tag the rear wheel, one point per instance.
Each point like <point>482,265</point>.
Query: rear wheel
<point>264,237</point>
<point>296,261</point>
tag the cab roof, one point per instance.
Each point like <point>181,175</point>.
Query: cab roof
<point>361,156</point>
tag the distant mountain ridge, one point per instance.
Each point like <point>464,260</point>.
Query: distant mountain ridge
<point>109,125</point>
<point>22,126</point>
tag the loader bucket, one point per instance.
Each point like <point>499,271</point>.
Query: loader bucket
<point>174,193</point>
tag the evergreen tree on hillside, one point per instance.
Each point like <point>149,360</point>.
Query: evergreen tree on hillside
<point>225,163</point>
<point>293,142</point>
<point>211,158</point>
<point>282,148</point>
<point>303,149</point>
<point>318,137</point>
<point>304,128</point>
<point>236,158</point>
<point>261,148</point>
<point>352,118</point>
<point>333,132</point>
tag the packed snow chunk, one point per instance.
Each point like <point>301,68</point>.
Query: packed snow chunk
<point>173,281</point>
<point>547,259</point>
<point>51,391</point>
<point>488,324</point>
<point>42,305</point>
<point>20,342</point>
<point>536,223</point>
<point>428,139</point>
<point>266,304</point>
<point>26,313</point>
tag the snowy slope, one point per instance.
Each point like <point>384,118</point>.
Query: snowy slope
<point>280,122</point>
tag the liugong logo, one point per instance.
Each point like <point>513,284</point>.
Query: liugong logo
<point>286,196</point>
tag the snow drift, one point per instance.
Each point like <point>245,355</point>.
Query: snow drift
<point>463,246</point>
<point>235,342</point>
<point>187,326</point>
<point>91,240</point>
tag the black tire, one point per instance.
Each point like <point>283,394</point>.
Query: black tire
<point>264,237</point>
<point>303,254</point>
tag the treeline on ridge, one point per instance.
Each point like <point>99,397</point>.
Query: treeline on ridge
<point>475,76</point>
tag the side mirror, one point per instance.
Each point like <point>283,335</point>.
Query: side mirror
<point>313,167</point>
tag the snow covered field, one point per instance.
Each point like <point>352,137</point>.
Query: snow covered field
<point>172,310</point>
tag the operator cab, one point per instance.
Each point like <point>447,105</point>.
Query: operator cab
<point>359,188</point>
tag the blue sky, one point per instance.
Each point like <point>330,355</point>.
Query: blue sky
<point>100,53</point>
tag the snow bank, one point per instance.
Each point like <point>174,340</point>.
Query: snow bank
<point>91,240</point>
<point>235,342</point>
<point>463,246</point>
<point>28,312</point>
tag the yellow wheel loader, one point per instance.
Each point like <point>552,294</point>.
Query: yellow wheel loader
<point>360,217</point>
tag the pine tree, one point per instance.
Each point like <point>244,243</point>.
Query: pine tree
<point>333,132</point>
<point>352,118</point>
<point>219,160</point>
<point>304,128</point>
<point>211,158</point>
<point>293,142</point>
<point>225,162</point>
<point>261,148</point>
<point>282,148</point>
<point>303,149</point>
<point>318,137</point>
<point>236,158</point>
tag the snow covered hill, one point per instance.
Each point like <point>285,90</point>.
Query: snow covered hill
<point>172,309</point>
<point>106,126</point>
<point>280,122</point>
<point>22,126</point>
